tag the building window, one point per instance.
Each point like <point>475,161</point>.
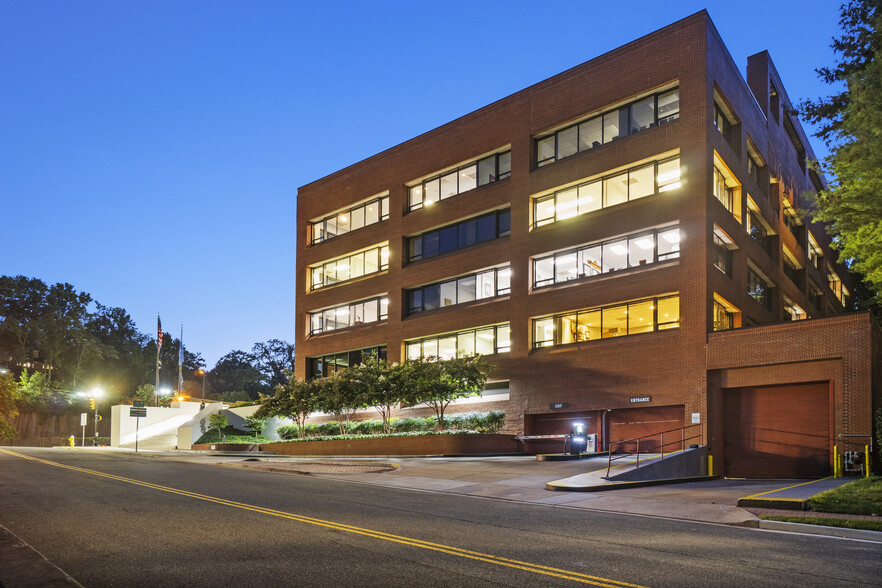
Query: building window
<point>757,230</point>
<point>325,365</point>
<point>758,288</point>
<point>476,286</point>
<point>723,191</point>
<point>722,251</point>
<point>635,250</point>
<point>835,285</point>
<point>348,315</point>
<point>722,124</point>
<point>724,318</point>
<point>791,268</point>
<point>814,251</point>
<point>460,235</point>
<point>480,341</point>
<point>349,267</point>
<point>641,316</point>
<point>625,120</point>
<point>791,217</point>
<point>351,219</point>
<point>630,184</point>
<point>462,179</point>
<point>794,312</point>
<point>754,168</point>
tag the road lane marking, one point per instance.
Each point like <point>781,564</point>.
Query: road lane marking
<point>788,488</point>
<point>439,547</point>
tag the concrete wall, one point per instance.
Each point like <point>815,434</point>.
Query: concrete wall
<point>158,430</point>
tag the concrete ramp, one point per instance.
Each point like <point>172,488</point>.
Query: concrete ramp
<point>690,465</point>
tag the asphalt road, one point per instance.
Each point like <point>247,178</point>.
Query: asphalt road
<point>124,520</point>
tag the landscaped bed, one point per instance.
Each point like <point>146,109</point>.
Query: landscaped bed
<point>861,498</point>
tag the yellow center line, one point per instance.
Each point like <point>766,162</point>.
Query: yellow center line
<point>788,488</point>
<point>450,550</point>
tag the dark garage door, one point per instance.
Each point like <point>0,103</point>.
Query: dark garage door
<point>556,424</point>
<point>777,431</point>
<point>629,423</point>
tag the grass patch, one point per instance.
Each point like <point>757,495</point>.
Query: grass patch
<point>829,522</point>
<point>861,497</point>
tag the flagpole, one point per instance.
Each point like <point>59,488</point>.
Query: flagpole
<point>158,347</point>
<point>181,363</point>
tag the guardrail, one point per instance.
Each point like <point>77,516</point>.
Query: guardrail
<point>681,441</point>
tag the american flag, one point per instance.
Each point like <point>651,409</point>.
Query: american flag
<point>158,333</point>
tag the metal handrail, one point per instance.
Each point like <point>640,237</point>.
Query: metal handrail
<point>682,440</point>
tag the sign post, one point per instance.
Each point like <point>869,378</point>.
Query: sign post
<point>138,410</point>
<point>84,416</point>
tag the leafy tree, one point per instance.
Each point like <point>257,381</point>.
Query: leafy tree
<point>36,392</point>
<point>274,358</point>
<point>373,384</point>
<point>338,394</point>
<point>237,371</point>
<point>851,124</point>
<point>255,424</point>
<point>218,421</point>
<point>145,393</point>
<point>22,306</point>
<point>295,399</point>
<point>438,383</point>
<point>8,405</point>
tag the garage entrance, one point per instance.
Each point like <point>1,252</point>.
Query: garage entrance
<point>629,423</point>
<point>559,423</point>
<point>777,431</point>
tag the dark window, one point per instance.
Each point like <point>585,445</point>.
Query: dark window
<point>478,286</point>
<point>325,365</point>
<point>627,119</point>
<point>722,256</point>
<point>758,288</point>
<point>446,239</point>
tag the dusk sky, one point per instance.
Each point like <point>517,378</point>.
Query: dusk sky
<point>150,152</point>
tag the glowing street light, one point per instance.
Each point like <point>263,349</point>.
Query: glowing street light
<point>204,375</point>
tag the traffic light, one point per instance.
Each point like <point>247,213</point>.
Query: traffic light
<point>92,403</point>
<point>100,417</point>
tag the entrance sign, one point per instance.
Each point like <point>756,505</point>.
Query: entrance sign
<point>642,399</point>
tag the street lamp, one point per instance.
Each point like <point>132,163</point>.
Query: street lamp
<point>96,393</point>
<point>204,374</point>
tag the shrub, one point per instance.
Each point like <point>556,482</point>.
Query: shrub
<point>288,432</point>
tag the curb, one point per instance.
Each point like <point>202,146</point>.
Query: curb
<point>798,504</point>
<point>626,484</point>
<point>25,567</point>
<point>841,532</point>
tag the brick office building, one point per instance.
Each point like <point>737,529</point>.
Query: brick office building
<point>623,241</point>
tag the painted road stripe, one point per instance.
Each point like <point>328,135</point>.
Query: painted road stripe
<point>787,488</point>
<point>441,548</point>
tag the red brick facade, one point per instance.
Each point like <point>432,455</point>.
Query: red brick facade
<point>686,366</point>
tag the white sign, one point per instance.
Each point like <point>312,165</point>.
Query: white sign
<point>83,419</point>
<point>696,418</point>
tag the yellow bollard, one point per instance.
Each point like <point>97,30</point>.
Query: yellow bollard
<point>835,461</point>
<point>710,464</point>
<point>866,461</point>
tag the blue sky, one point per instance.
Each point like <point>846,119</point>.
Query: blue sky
<point>150,152</point>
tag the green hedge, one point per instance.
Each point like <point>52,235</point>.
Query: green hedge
<point>479,422</point>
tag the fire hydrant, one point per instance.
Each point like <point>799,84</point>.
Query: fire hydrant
<point>71,440</point>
